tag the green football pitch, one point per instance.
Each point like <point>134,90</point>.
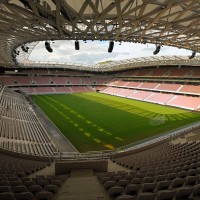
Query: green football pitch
<point>94,121</point>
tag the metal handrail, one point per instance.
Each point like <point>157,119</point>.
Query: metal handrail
<point>102,155</point>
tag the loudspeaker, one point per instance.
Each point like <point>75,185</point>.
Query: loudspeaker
<point>111,45</point>
<point>157,50</point>
<point>77,47</point>
<point>48,47</point>
<point>25,49</point>
<point>193,55</point>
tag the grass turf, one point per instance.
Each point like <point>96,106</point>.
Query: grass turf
<point>94,121</point>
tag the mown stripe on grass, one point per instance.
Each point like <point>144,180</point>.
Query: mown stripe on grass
<point>173,115</point>
<point>73,121</point>
<point>96,121</point>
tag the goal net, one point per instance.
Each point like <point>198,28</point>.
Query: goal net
<point>158,120</point>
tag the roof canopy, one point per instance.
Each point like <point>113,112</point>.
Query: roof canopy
<point>164,22</point>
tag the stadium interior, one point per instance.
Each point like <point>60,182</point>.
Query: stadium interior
<point>37,162</point>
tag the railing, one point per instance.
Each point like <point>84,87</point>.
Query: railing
<point>157,138</point>
<point>103,155</point>
<point>74,156</point>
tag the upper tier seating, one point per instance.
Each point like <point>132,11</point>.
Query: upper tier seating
<point>119,83</point>
<point>196,72</point>
<point>74,80</point>
<point>22,80</point>
<point>169,87</point>
<point>85,80</point>
<point>41,80</point>
<point>6,80</point>
<point>44,90</point>
<point>59,80</point>
<point>183,71</point>
<point>49,71</point>
<point>149,85</point>
<point>133,84</point>
<point>164,71</point>
<point>52,80</point>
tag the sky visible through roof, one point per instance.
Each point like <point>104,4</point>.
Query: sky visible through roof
<point>93,52</point>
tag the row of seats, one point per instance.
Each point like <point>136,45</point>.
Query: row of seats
<point>187,102</point>
<point>160,183</point>
<point>123,183</point>
<point>52,90</point>
<point>30,148</point>
<point>167,87</point>
<point>45,80</point>
<point>147,85</point>
<point>17,184</point>
<point>161,156</point>
<point>49,71</point>
<point>10,165</point>
<point>131,193</point>
<point>25,188</point>
<point>165,171</point>
<point>163,71</point>
<point>20,129</point>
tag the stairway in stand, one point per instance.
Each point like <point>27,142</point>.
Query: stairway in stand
<point>83,185</point>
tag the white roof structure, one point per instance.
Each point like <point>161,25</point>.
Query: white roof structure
<point>161,22</point>
<point>119,65</point>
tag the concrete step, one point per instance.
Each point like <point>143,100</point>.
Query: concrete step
<point>50,170</point>
<point>84,188</point>
<point>81,173</point>
<point>113,167</point>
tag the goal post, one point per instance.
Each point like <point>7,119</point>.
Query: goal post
<point>158,120</point>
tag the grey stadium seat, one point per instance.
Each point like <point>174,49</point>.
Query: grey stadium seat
<point>132,189</point>
<point>183,193</point>
<point>148,187</point>
<point>146,196</point>
<point>163,185</point>
<point>7,196</point>
<point>24,196</point>
<point>44,195</point>
<point>116,191</point>
<point>126,197</point>
<point>51,188</point>
<point>123,182</point>
<point>165,195</point>
<point>109,184</point>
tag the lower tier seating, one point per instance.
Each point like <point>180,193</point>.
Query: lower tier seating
<point>25,188</point>
<point>167,171</point>
<point>187,102</point>
<point>20,129</point>
<point>16,184</point>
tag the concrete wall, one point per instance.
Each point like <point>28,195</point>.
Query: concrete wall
<point>98,165</point>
